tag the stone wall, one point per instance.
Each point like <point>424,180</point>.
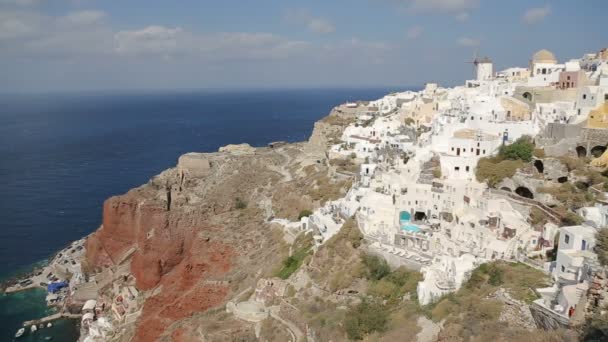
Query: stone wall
<point>547,319</point>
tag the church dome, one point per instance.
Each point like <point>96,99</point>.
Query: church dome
<point>544,56</point>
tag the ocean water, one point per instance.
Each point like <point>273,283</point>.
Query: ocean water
<point>62,155</point>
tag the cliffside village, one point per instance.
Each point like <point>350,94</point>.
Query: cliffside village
<point>417,199</point>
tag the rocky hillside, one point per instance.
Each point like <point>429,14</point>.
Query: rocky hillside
<point>198,234</point>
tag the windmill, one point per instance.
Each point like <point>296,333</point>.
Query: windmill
<point>474,63</point>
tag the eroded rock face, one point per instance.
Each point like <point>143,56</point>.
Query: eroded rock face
<point>185,240</point>
<point>188,244</point>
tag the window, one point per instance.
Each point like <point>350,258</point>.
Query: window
<point>568,78</point>
<point>584,96</point>
<point>566,238</point>
<point>563,268</point>
<point>583,245</point>
<point>456,168</point>
<point>484,151</point>
<point>467,168</point>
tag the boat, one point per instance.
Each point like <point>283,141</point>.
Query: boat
<point>48,338</point>
<point>34,328</point>
<point>20,332</point>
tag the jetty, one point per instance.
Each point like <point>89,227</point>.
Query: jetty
<point>50,318</point>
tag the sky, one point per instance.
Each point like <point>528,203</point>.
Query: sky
<point>89,45</point>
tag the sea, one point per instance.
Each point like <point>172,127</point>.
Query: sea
<point>63,154</point>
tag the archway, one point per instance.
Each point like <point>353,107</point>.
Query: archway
<point>527,96</point>
<point>581,151</point>
<point>524,192</point>
<point>540,167</point>
<point>504,188</point>
<point>419,216</point>
<point>598,151</point>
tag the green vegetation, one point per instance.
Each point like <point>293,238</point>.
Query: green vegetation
<point>537,217</point>
<point>376,267</point>
<point>494,170</point>
<point>601,246</point>
<point>521,149</point>
<point>386,289</point>
<point>510,158</point>
<point>326,189</point>
<point>573,164</point>
<point>469,315</point>
<point>539,153</point>
<point>409,121</point>
<point>239,203</point>
<point>571,219</point>
<point>304,213</point>
<point>569,195</point>
<point>437,172</point>
<point>365,318</point>
<point>302,248</point>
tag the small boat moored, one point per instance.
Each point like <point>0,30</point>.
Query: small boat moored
<point>20,332</point>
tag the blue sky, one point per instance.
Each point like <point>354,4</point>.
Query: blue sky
<point>110,45</point>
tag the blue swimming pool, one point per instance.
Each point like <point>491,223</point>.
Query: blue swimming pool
<point>410,228</point>
<point>404,222</point>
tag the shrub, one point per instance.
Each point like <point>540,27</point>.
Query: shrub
<point>601,246</point>
<point>377,268</point>
<point>539,153</point>
<point>365,318</point>
<point>571,219</point>
<point>239,203</point>
<point>521,149</point>
<point>492,172</point>
<point>292,263</point>
<point>304,213</point>
<point>437,172</point>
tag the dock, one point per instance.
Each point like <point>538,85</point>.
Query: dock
<point>50,318</point>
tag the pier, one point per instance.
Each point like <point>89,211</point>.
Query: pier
<point>50,318</point>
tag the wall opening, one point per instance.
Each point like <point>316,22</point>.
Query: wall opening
<point>581,151</point>
<point>562,180</point>
<point>540,167</point>
<point>597,151</point>
<point>419,216</point>
<point>524,192</point>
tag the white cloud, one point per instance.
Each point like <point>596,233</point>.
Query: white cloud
<point>78,18</point>
<point>536,15</point>
<point>20,2</point>
<point>462,16</point>
<point>149,40</point>
<point>448,6</point>
<point>468,42</point>
<point>318,25</point>
<point>314,24</point>
<point>414,32</point>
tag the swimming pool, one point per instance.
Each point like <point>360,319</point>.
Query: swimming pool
<point>404,216</point>
<point>404,222</point>
<point>410,228</point>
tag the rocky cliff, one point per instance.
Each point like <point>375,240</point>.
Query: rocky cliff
<point>198,234</point>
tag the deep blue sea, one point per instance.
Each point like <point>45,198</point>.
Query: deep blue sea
<point>62,155</point>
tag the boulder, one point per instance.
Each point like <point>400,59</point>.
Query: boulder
<point>194,164</point>
<point>554,169</point>
<point>238,149</point>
